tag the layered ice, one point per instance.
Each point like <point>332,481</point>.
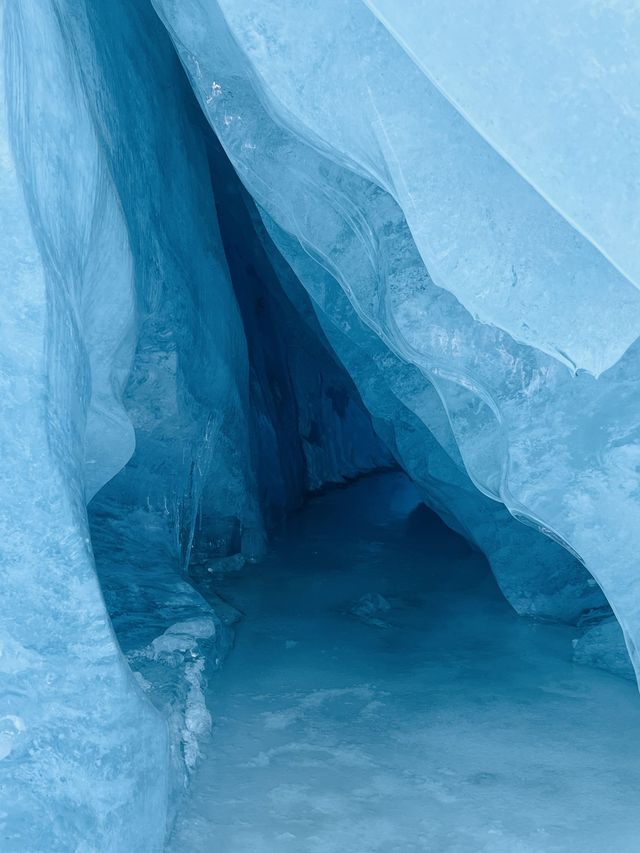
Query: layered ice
<point>120,319</point>
<point>537,576</point>
<point>341,83</point>
<point>350,250</point>
<point>446,252</point>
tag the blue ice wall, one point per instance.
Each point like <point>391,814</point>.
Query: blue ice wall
<point>401,277</point>
<point>574,138</point>
<point>70,712</point>
<point>523,326</point>
<point>125,338</point>
<point>308,424</point>
<point>536,575</point>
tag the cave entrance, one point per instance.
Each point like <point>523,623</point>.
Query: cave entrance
<point>383,696</point>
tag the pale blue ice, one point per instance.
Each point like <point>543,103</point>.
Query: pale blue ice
<point>252,251</point>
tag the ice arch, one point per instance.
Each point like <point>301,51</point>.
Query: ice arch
<point>356,305</point>
<point>286,84</point>
<point>546,132</point>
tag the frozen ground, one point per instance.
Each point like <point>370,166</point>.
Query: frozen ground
<point>442,723</point>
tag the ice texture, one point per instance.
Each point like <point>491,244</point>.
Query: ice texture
<point>602,646</point>
<point>574,138</point>
<point>349,250</point>
<point>537,576</point>
<point>446,252</point>
<point>472,216</point>
<point>120,319</point>
<point>66,339</point>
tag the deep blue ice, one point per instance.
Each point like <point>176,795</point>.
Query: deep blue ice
<point>430,719</point>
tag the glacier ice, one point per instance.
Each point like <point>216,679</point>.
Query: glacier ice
<point>586,53</point>
<point>119,314</point>
<point>602,646</point>
<point>537,576</point>
<point>331,246</point>
<point>327,122</point>
<point>472,217</point>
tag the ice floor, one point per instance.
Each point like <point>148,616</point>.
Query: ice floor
<point>445,723</point>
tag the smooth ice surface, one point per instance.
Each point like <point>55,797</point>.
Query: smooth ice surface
<point>340,80</point>
<point>70,710</point>
<point>537,576</point>
<point>441,721</point>
<point>531,79</point>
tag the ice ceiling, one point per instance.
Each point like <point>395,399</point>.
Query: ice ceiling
<point>381,233</point>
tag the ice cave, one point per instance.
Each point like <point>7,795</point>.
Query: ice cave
<point>320,426</point>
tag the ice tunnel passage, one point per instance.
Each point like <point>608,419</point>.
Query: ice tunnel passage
<point>383,695</point>
<point>251,250</point>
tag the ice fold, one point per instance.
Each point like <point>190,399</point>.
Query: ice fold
<point>121,316</point>
<point>419,269</point>
<point>553,88</point>
<point>445,253</point>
